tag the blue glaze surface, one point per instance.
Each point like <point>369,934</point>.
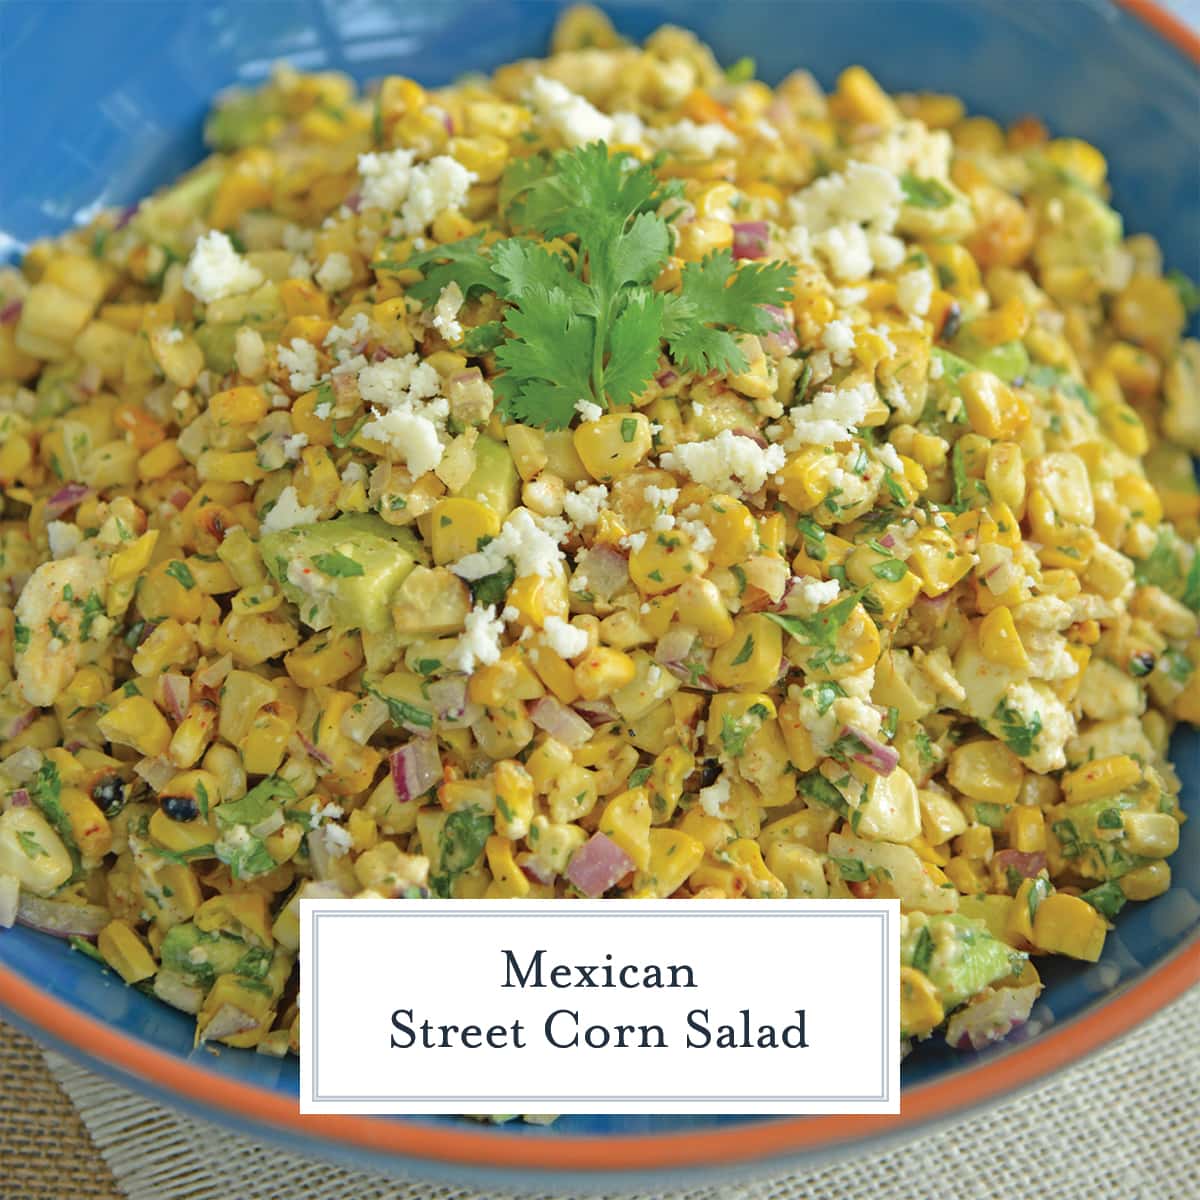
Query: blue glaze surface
<point>102,102</point>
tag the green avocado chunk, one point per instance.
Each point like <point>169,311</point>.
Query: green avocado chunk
<point>958,954</point>
<point>203,956</point>
<point>494,481</point>
<point>344,572</point>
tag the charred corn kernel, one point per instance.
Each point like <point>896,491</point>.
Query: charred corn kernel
<point>195,731</point>
<point>921,1010</point>
<point>1064,924</point>
<point>672,857</point>
<point>1151,834</point>
<point>90,829</point>
<point>238,406</point>
<point>749,660</point>
<point>1000,641</point>
<point>457,525</point>
<point>988,771</point>
<point>125,952</point>
<point>1026,827</point>
<point>1144,883</point>
<point>603,671</point>
<point>993,408</point>
<point>613,445</point>
<point>1101,777</point>
<point>136,722</point>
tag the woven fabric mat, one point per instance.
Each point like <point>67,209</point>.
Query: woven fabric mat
<point>1123,1126</point>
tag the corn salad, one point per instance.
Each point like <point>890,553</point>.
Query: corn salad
<point>613,477</point>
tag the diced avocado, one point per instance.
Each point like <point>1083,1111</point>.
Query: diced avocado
<point>204,956</point>
<point>959,955</point>
<point>1010,360</point>
<point>217,343</point>
<point>1091,837</point>
<point>342,572</point>
<point>167,214</point>
<point>242,119</point>
<point>494,481</point>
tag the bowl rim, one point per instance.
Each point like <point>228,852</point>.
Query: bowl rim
<point>775,1138</point>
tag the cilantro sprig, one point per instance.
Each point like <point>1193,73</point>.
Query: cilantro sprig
<point>583,320</point>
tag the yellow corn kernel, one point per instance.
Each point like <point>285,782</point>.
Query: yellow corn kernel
<point>613,445</point>
<point>1138,373</point>
<point>603,671</point>
<point>626,820</point>
<point>536,597</point>
<point>231,990</point>
<point>1064,924</point>
<point>253,638</point>
<point>1138,495</point>
<point>457,525</point>
<point>673,856</point>
<point>125,952</point>
<point>749,660</point>
<point>1101,777</point>
<point>1019,920</point>
<point>860,99</point>
<point>967,875</point>
<point>667,776</point>
<point>130,561</point>
<point>508,880</point>
<point>136,722</point>
<point>229,466</point>
<point>987,770</point>
<point>1026,828</point>
<point>263,747</point>
<point>302,298</point>
<point>362,829</point>
<point>703,236</point>
<point>160,461</point>
<point>664,561</point>
<point>797,738</point>
<point>514,799</point>
<point>892,585</point>
<point>238,406</point>
<point>244,914</point>
<point>993,408</point>
<point>324,659</point>
<point>555,672</point>
<point>1151,834</point>
<point>699,606</point>
<point>1000,641</point>
<point>1148,312</point>
<point>937,562</point>
<point>732,526</point>
<point>921,1009</point>
<point>1005,475</point>
<point>1146,882</point>
<point>509,678</point>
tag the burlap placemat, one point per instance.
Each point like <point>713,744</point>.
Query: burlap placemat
<point>1123,1126</point>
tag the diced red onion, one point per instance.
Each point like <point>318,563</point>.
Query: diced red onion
<point>597,865</point>
<point>415,768</point>
<point>607,570</point>
<point>361,720</point>
<point>66,498</point>
<point>345,388</point>
<point>60,919</point>
<point>596,712</point>
<point>381,354</point>
<point>750,239</point>
<point>19,799</point>
<point>23,765</point>
<point>354,201</point>
<point>157,772</point>
<point>677,653</point>
<point>176,694</point>
<point>313,751</point>
<point>127,215</point>
<point>535,868</point>
<point>450,704</point>
<point>21,723</point>
<point>888,540</point>
<point>228,1021</point>
<point>992,1018</point>
<point>1027,863</point>
<point>876,756</point>
<point>665,378</point>
<point>560,722</point>
<point>11,312</point>
<point>179,498</point>
<point>214,674</point>
<point>90,379</point>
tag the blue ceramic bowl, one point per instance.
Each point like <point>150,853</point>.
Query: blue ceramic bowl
<point>102,102</point>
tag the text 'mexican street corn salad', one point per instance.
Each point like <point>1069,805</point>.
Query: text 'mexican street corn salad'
<point>613,477</point>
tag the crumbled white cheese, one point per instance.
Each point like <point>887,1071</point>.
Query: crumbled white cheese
<point>530,542</point>
<point>391,181</point>
<point>335,273</point>
<point>445,313</point>
<point>1034,706</point>
<point>300,268</point>
<point>171,336</point>
<point>249,352</point>
<point>936,367</point>
<point>831,417</point>
<point>297,240</point>
<point>398,382</point>
<point>838,339</point>
<point>576,120</point>
<point>337,839</point>
<point>300,361</point>
<point>807,594</point>
<point>584,506</point>
<point>914,291</point>
<point>886,453</point>
<point>384,178</point>
<point>697,141</point>
<point>715,797</point>
<point>887,251</point>
<point>355,472</point>
<point>293,444</point>
<point>634,541</point>
<point>588,411</point>
<point>412,434</point>
<point>564,639</point>
<point>701,536</point>
<point>216,270</point>
<point>660,497</point>
<point>288,512</point>
<point>342,339</point>
<point>479,642</point>
<point>727,463</point>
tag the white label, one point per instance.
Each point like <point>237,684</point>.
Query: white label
<point>594,1006</point>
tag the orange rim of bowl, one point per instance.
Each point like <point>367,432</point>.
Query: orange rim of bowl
<point>648,1152</point>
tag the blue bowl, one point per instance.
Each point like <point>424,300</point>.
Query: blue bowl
<point>102,102</point>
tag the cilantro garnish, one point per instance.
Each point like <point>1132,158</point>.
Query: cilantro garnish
<point>587,323</point>
<point>1020,733</point>
<point>1107,899</point>
<point>400,712</point>
<point>460,843</point>
<point>30,846</point>
<point>181,573</point>
<point>337,565</point>
<point>924,193</point>
<point>923,949</point>
<point>1189,293</point>
<point>492,589</point>
<point>821,629</point>
<point>256,805</point>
